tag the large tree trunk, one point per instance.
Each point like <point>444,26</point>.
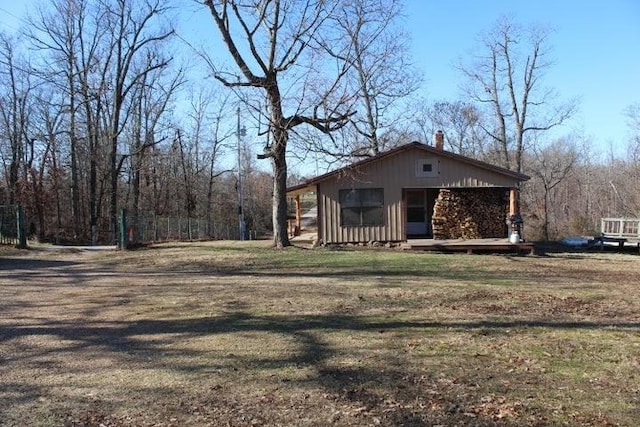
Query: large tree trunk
<point>75,175</point>
<point>546,214</point>
<point>137,166</point>
<point>280,132</point>
<point>113,199</point>
<point>280,233</point>
<point>93,190</point>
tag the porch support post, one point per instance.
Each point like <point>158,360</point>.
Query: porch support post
<point>515,219</point>
<point>298,215</point>
<point>513,202</point>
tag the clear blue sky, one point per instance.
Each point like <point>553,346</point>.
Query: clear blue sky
<point>596,47</point>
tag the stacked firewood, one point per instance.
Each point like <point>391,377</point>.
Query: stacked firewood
<point>465,213</point>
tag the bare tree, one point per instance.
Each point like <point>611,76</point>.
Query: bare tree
<point>550,167</point>
<point>461,123</point>
<point>72,39</point>
<point>633,118</point>
<point>205,125</point>
<point>273,44</point>
<point>135,33</point>
<point>97,53</point>
<point>367,35</point>
<point>507,78</point>
<point>92,83</point>
<point>635,154</point>
<point>55,33</point>
<point>47,180</point>
<point>15,100</point>
<point>149,104</point>
<point>582,186</point>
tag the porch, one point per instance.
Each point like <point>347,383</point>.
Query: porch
<point>469,246</point>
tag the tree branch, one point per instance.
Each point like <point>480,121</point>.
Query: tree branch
<point>222,21</point>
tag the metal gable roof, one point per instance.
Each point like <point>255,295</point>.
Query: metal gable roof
<point>305,186</point>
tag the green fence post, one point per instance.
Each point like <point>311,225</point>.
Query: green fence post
<point>22,236</point>
<point>122,243</point>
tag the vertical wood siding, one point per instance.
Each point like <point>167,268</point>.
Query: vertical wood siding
<point>395,173</point>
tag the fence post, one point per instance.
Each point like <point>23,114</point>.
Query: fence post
<point>122,242</point>
<point>22,236</point>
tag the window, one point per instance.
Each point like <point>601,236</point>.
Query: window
<point>362,207</point>
<point>427,168</point>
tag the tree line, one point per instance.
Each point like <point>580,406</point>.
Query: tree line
<point>97,112</point>
<point>88,104</point>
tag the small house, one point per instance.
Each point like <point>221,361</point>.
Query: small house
<point>413,191</point>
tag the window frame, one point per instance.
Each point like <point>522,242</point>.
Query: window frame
<point>361,207</point>
<point>434,164</point>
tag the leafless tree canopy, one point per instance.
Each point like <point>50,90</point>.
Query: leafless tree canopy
<point>97,113</point>
<point>368,37</point>
<point>461,122</point>
<point>277,53</point>
<point>507,78</point>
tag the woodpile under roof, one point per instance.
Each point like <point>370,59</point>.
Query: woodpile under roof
<point>470,213</point>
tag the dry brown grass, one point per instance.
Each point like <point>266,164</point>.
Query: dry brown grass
<point>239,334</point>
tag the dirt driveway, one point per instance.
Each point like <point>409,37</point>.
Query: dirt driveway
<point>239,334</point>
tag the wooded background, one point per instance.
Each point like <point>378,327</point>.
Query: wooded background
<point>97,114</point>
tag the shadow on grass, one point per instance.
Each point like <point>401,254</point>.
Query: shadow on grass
<point>544,248</point>
<point>119,336</point>
<point>14,394</point>
<point>33,264</point>
<point>386,390</point>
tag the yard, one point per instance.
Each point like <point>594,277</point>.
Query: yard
<point>234,333</point>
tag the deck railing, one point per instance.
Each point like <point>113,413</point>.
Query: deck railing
<point>628,228</point>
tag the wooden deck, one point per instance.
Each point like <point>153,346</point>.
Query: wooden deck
<point>619,230</point>
<point>469,246</point>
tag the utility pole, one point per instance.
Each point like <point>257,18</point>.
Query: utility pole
<point>240,133</point>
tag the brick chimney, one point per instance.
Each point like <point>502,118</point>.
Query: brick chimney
<point>439,140</point>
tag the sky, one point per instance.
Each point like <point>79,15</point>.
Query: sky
<point>595,46</point>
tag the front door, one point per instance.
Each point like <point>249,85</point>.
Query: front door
<point>417,217</point>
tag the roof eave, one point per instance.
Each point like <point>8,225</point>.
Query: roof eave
<point>311,184</point>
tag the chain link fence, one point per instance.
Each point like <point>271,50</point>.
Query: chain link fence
<point>152,228</point>
<point>12,230</point>
<point>139,229</point>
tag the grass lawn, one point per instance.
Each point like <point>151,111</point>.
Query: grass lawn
<point>238,334</point>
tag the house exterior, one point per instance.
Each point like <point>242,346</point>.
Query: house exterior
<point>413,191</point>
